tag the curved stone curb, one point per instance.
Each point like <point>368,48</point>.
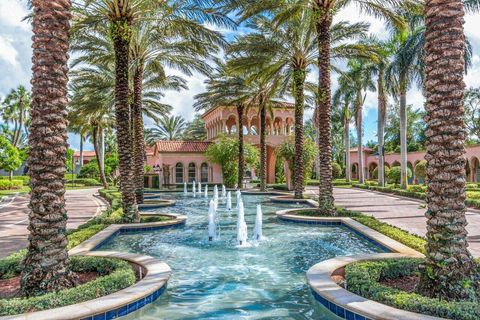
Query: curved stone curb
<point>348,305</point>
<point>264,193</point>
<point>117,304</point>
<point>290,199</point>
<point>155,204</point>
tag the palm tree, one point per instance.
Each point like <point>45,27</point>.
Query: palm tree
<point>290,50</point>
<point>195,129</point>
<point>359,77</point>
<point>450,271</point>
<point>343,100</point>
<point>167,128</point>
<point>15,109</point>
<point>46,265</point>
<point>225,88</point>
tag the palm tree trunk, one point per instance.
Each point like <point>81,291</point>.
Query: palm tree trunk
<point>81,150</point>
<point>348,165</point>
<point>139,139</point>
<point>299,170</point>
<point>263,148</point>
<point>121,35</point>
<point>382,114</point>
<point>241,157</point>
<point>403,134</point>
<point>96,147</point>
<point>449,271</point>
<point>361,175</point>
<point>46,265</point>
<point>324,119</point>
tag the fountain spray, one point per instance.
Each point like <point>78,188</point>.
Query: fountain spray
<point>242,230</point>
<point>224,191</point>
<point>185,192</point>
<point>199,188</point>
<point>212,226</point>
<point>206,191</point>
<point>258,223</point>
<point>229,201</point>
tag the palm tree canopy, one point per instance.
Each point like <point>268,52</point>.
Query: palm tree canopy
<point>167,128</point>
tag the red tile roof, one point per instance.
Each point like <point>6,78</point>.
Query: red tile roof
<point>85,154</point>
<point>182,146</point>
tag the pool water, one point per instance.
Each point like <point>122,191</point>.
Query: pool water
<point>219,280</point>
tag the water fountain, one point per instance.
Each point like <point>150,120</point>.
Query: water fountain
<point>193,188</point>
<point>185,192</point>
<point>215,196</point>
<point>206,191</point>
<point>239,197</point>
<point>242,230</point>
<point>212,225</point>
<point>229,201</point>
<point>258,223</point>
<point>199,187</point>
<point>224,191</point>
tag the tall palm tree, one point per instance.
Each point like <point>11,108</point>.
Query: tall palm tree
<point>15,108</point>
<point>450,270</point>
<point>225,88</point>
<point>343,99</point>
<point>359,77</point>
<point>167,128</point>
<point>290,50</point>
<point>46,265</point>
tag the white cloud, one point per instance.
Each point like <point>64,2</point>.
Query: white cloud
<point>12,12</point>
<point>8,52</point>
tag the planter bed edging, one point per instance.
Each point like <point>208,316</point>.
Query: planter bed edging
<point>125,301</point>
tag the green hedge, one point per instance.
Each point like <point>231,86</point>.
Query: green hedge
<point>363,278</point>
<point>9,185</point>
<point>115,275</point>
<point>25,179</point>
<point>400,192</point>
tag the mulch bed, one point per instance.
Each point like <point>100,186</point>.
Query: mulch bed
<point>10,288</point>
<point>407,284</point>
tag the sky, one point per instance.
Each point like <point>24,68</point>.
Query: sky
<point>15,63</point>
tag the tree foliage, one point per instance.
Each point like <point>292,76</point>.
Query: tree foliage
<point>287,152</point>
<point>10,159</point>
<point>224,151</point>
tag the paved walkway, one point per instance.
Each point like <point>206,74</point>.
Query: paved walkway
<point>401,212</point>
<point>81,206</point>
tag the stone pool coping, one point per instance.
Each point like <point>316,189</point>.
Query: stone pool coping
<point>338,300</point>
<point>150,203</point>
<point>120,303</point>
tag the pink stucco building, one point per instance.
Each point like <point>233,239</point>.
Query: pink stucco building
<point>177,162</point>
<point>393,159</point>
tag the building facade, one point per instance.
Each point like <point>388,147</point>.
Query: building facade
<point>413,158</point>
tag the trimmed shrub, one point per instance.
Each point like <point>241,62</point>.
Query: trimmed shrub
<point>395,174</point>
<point>375,172</point>
<point>336,170</point>
<point>421,169</point>
<point>115,275</point>
<point>9,185</point>
<point>25,179</point>
<point>363,278</point>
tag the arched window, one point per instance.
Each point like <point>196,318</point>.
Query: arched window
<point>179,173</point>
<point>191,172</point>
<point>204,172</point>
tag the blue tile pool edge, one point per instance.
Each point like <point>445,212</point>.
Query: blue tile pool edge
<point>129,308</point>
<point>338,310</point>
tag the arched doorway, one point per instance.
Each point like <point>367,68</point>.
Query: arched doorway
<point>179,173</point>
<point>354,171</point>
<point>204,173</point>
<point>191,172</point>
<point>371,168</point>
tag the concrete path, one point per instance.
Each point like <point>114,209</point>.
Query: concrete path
<point>408,214</point>
<point>81,206</point>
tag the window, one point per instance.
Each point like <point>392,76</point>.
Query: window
<point>179,173</point>
<point>191,172</point>
<point>204,172</point>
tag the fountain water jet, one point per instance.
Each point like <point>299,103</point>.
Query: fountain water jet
<point>229,201</point>
<point>193,188</point>
<point>212,225</point>
<point>239,197</point>
<point>199,188</point>
<point>206,191</point>
<point>185,192</point>
<point>242,230</point>
<point>215,196</point>
<point>224,191</point>
<point>258,223</point>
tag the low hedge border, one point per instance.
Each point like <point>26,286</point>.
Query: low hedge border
<point>363,278</point>
<point>404,237</point>
<point>115,275</point>
<point>9,185</point>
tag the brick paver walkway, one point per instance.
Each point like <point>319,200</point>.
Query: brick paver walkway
<point>398,211</point>
<point>81,206</point>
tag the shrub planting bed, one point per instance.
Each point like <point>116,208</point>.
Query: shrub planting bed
<point>368,279</point>
<point>11,185</point>
<point>111,275</point>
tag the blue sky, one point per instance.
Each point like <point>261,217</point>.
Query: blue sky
<point>15,62</point>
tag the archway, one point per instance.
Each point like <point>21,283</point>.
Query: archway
<point>191,172</point>
<point>354,171</point>
<point>204,172</point>
<point>371,167</point>
<point>468,171</point>
<point>254,126</point>
<point>231,124</point>
<point>475,169</point>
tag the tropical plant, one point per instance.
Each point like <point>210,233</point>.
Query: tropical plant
<point>472,112</point>
<point>449,270</point>
<point>46,265</point>
<point>224,151</point>
<point>10,159</point>
<point>167,128</point>
<point>195,130</point>
<point>415,130</point>
<point>421,170</point>
<point>287,152</point>
<point>15,109</point>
